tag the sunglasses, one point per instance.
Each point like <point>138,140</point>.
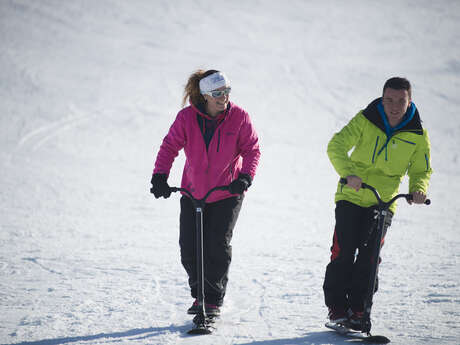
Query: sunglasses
<point>218,93</point>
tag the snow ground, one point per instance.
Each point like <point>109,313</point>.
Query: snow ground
<point>89,89</point>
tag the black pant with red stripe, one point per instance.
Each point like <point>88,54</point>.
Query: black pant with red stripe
<point>348,273</point>
<point>219,219</point>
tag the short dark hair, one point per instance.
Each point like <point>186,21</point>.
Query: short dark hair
<point>398,83</point>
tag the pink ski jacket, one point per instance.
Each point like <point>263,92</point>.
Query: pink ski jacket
<point>234,149</point>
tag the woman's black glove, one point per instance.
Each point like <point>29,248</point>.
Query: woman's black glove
<point>241,184</point>
<point>160,187</point>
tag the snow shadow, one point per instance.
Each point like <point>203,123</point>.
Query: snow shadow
<point>133,334</point>
<point>312,338</point>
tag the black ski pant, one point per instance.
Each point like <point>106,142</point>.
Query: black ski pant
<point>219,219</point>
<point>348,273</point>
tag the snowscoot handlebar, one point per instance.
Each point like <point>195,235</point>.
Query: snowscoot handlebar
<point>186,191</point>
<point>408,197</point>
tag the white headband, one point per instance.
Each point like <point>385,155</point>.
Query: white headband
<point>213,82</point>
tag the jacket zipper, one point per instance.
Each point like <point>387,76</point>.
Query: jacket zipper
<point>427,162</point>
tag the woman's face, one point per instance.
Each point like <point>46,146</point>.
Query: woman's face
<point>218,103</point>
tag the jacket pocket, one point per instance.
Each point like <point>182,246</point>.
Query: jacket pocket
<point>375,148</point>
<point>218,140</point>
<point>400,152</point>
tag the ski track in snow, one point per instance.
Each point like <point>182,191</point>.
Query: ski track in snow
<point>35,139</point>
<point>38,263</point>
<point>89,89</point>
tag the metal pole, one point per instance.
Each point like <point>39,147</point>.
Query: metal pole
<point>200,260</point>
<point>366,322</point>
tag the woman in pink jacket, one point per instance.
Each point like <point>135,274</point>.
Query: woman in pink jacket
<point>221,148</point>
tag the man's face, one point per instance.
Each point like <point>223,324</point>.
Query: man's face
<point>395,104</point>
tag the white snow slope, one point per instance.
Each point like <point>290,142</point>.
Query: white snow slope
<point>88,89</point>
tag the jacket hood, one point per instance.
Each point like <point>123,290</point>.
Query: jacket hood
<point>372,114</point>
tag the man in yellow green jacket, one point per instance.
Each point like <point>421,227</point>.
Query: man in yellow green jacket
<point>388,142</point>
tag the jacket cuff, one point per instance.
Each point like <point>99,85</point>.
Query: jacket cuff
<point>159,178</point>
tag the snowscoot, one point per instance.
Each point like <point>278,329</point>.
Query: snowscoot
<point>202,321</point>
<point>380,212</point>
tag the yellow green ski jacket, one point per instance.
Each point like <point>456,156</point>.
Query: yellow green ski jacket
<point>380,157</point>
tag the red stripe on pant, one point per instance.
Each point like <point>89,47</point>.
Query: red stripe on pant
<point>335,249</point>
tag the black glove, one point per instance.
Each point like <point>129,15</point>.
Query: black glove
<point>160,187</point>
<point>241,184</point>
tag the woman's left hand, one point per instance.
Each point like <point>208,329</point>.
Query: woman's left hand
<point>240,185</point>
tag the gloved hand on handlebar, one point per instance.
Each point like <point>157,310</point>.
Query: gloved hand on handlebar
<point>241,184</point>
<point>160,187</point>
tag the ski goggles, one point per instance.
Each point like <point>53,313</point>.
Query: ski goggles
<point>218,93</point>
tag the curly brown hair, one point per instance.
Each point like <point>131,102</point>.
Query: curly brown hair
<point>192,88</point>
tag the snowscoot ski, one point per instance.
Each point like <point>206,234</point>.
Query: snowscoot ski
<point>366,325</point>
<point>203,322</point>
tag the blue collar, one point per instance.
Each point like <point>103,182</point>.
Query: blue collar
<point>405,120</point>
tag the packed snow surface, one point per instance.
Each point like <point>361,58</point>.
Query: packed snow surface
<point>88,90</point>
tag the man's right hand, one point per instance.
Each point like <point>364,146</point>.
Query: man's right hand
<point>354,182</point>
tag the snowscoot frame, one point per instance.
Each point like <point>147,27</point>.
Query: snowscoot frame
<point>381,212</point>
<point>201,320</point>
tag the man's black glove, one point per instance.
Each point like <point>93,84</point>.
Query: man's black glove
<point>160,187</point>
<point>241,184</point>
